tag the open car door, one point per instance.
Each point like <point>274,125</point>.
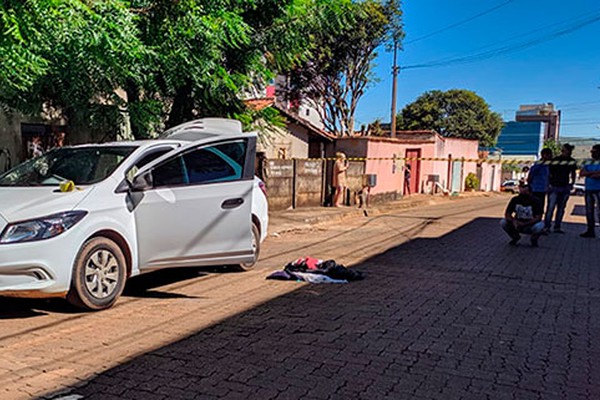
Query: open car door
<point>196,206</point>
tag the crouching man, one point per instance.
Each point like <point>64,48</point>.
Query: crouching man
<point>523,215</point>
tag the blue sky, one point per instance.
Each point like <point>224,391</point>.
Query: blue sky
<point>564,70</point>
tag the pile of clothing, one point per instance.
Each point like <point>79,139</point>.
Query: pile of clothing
<point>313,270</point>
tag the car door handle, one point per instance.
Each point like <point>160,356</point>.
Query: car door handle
<point>232,203</point>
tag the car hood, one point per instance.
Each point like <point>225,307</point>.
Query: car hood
<point>22,203</point>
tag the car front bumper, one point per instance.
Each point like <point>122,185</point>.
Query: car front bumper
<point>37,269</point>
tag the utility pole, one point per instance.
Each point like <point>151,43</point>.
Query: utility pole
<point>395,71</point>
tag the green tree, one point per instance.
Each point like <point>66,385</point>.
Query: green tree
<point>66,58</point>
<point>208,55</point>
<point>159,62</point>
<point>553,145</point>
<point>454,113</point>
<point>335,77</point>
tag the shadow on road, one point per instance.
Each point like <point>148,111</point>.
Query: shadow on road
<point>142,286</point>
<point>461,315</point>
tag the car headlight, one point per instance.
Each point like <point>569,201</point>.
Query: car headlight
<point>41,228</point>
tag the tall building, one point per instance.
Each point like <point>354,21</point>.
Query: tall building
<point>525,137</point>
<point>541,113</point>
<point>521,138</point>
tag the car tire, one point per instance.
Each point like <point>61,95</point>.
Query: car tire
<point>99,275</point>
<point>255,247</point>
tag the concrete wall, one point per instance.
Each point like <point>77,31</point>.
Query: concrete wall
<point>462,148</point>
<point>286,143</point>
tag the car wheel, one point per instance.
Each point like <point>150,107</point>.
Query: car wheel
<point>255,249</point>
<point>99,275</point>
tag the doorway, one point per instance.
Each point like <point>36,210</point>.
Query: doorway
<point>413,161</point>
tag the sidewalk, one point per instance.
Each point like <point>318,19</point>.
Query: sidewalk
<point>308,218</point>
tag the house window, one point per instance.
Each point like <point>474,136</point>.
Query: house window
<point>307,112</point>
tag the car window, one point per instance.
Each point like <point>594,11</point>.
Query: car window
<point>82,165</point>
<point>219,163</point>
<point>146,159</point>
<point>169,173</point>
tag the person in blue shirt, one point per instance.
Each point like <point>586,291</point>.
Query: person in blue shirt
<point>591,171</point>
<point>538,177</point>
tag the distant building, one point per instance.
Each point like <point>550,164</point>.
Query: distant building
<point>524,139</point>
<point>542,113</point>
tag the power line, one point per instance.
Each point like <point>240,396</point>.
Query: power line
<point>457,24</point>
<point>581,22</point>
<point>567,105</point>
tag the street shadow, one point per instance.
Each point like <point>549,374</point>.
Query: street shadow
<point>144,285</point>
<point>438,318</point>
<point>141,286</point>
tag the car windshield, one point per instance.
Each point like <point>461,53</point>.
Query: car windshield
<point>82,165</point>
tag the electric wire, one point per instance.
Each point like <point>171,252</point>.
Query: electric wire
<point>566,28</point>
<point>459,23</point>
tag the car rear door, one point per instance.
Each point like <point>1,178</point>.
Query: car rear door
<point>197,210</point>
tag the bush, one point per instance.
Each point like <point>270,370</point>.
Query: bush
<point>471,181</point>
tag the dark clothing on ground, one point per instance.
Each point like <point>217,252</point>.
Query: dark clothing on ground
<point>298,270</point>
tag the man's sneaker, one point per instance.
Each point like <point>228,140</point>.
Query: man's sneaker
<point>534,242</point>
<point>558,230</point>
<point>588,234</point>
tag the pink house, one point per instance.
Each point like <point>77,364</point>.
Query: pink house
<point>426,176</point>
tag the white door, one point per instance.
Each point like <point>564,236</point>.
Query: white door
<point>198,209</point>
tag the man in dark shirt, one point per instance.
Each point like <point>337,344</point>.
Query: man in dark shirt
<point>562,178</point>
<point>523,215</point>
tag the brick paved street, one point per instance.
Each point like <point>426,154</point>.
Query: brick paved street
<point>454,313</point>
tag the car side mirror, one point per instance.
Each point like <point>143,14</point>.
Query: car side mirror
<point>141,182</point>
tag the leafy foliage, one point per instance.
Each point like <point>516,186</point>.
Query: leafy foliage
<point>454,113</point>
<point>162,61</point>
<point>471,181</point>
<point>66,55</point>
<point>553,145</point>
<point>346,36</point>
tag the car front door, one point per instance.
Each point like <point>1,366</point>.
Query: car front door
<point>197,208</point>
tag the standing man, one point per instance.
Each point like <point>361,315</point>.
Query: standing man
<point>523,215</point>
<point>407,179</point>
<point>591,171</point>
<point>562,179</point>
<point>339,178</point>
<point>538,176</point>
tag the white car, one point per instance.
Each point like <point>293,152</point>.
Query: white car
<point>78,221</point>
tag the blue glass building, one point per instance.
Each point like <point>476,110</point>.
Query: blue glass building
<point>521,139</point>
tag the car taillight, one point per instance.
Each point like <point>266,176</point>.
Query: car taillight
<point>263,187</point>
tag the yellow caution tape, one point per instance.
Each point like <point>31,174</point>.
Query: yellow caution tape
<point>475,160</point>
